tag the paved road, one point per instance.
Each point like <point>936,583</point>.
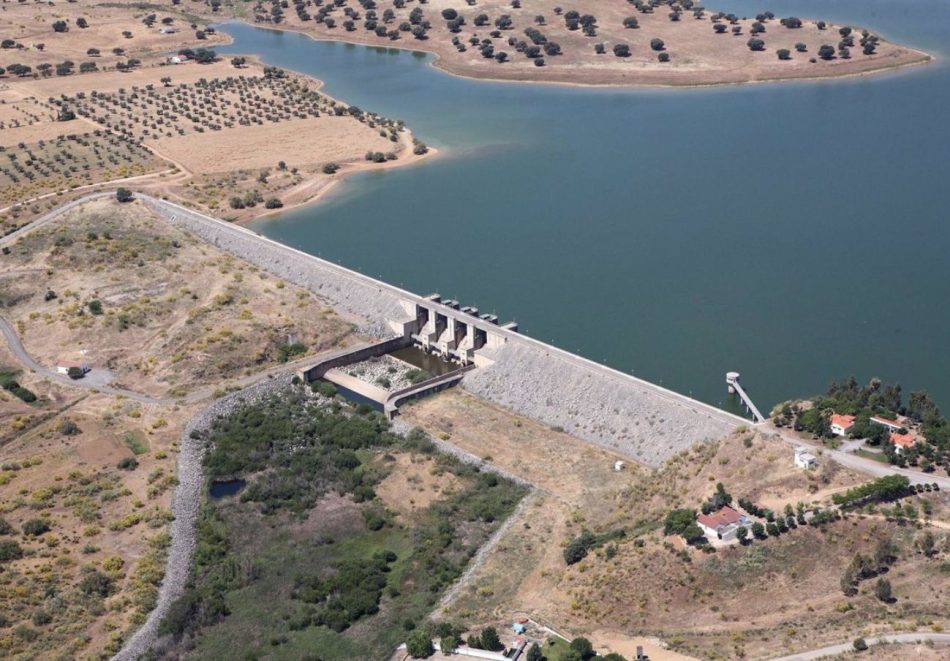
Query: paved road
<point>831,650</point>
<point>862,464</point>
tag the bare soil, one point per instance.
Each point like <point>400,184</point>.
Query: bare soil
<point>698,55</point>
<point>173,313</point>
<point>183,123</point>
<point>771,597</point>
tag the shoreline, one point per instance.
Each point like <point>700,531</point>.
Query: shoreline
<point>437,62</point>
<point>338,178</point>
<point>406,157</point>
<point>157,182</point>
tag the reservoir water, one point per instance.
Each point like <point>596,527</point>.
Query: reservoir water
<point>794,232</point>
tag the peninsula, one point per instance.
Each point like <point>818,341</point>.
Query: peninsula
<point>607,42</point>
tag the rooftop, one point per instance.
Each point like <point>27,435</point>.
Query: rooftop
<point>903,440</point>
<point>843,421</point>
<point>724,517</point>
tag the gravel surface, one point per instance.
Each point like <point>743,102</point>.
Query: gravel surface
<point>384,368</point>
<point>355,296</point>
<point>185,505</point>
<point>621,414</point>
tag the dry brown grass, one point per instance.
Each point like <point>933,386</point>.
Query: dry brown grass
<point>101,518</point>
<point>414,483</point>
<point>176,313</point>
<point>698,55</point>
<point>340,140</point>
<point>31,23</point>
<point>772,596</point>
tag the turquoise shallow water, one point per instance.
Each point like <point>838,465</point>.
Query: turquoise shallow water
<point>793,232</point>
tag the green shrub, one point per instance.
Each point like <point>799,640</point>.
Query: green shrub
<point>10,550</point>
<point>35,527</point>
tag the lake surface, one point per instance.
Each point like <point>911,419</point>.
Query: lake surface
<point>793,232</point>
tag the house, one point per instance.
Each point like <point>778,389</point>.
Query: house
<point>841,425</point>
<point>893,425</point>
<point>804,458</point>
<point>175,59</point>
<point>902,441</point>
<point>619,465</point>
<point>722,524</point>
<point>63,367</point>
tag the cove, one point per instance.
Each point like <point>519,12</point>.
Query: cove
<point>794,232</point>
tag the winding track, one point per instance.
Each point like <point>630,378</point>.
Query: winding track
<point>842,648</point>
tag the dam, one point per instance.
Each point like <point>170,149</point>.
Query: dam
<point>593,402</point>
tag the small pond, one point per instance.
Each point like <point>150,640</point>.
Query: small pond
<point>226,488</point>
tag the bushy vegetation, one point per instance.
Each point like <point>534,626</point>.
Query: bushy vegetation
<point>887,488</point>
<point>293,449</point>
<point>10,384</point>
<point>877,398</point>
<point>578,548</point>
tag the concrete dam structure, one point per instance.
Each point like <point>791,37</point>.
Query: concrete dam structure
<point>454,332</point>
<point>631,416</point>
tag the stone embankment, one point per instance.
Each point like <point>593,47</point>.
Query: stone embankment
<point>185,505</point>
<point>627,415</point>
<point>355,296</point>
<point>632,417</point>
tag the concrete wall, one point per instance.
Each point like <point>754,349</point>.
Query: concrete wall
<point>349,356</point>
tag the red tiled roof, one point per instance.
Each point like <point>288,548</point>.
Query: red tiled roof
<point>903,440</point>
<point>885,421</point>
<point>843,421</point>
<point>724,517</point>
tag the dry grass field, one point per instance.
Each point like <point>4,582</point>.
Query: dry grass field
<point>162,126</point>
<point>160,311</point>
<point>771,596</point>
<point>698,55</point>
<point>83,540</point>
<point>85,478</point>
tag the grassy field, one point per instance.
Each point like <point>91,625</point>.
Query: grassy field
<point>876,456</point>
<point>316,556</point>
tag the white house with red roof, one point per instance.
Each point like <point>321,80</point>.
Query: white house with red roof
<point>902,441</point>
<point>722,524</point>
<point>841,425</point>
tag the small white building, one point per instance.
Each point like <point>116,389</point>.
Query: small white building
<point>619,465</point>
<point>804,458</point>
<point>64,366</point>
